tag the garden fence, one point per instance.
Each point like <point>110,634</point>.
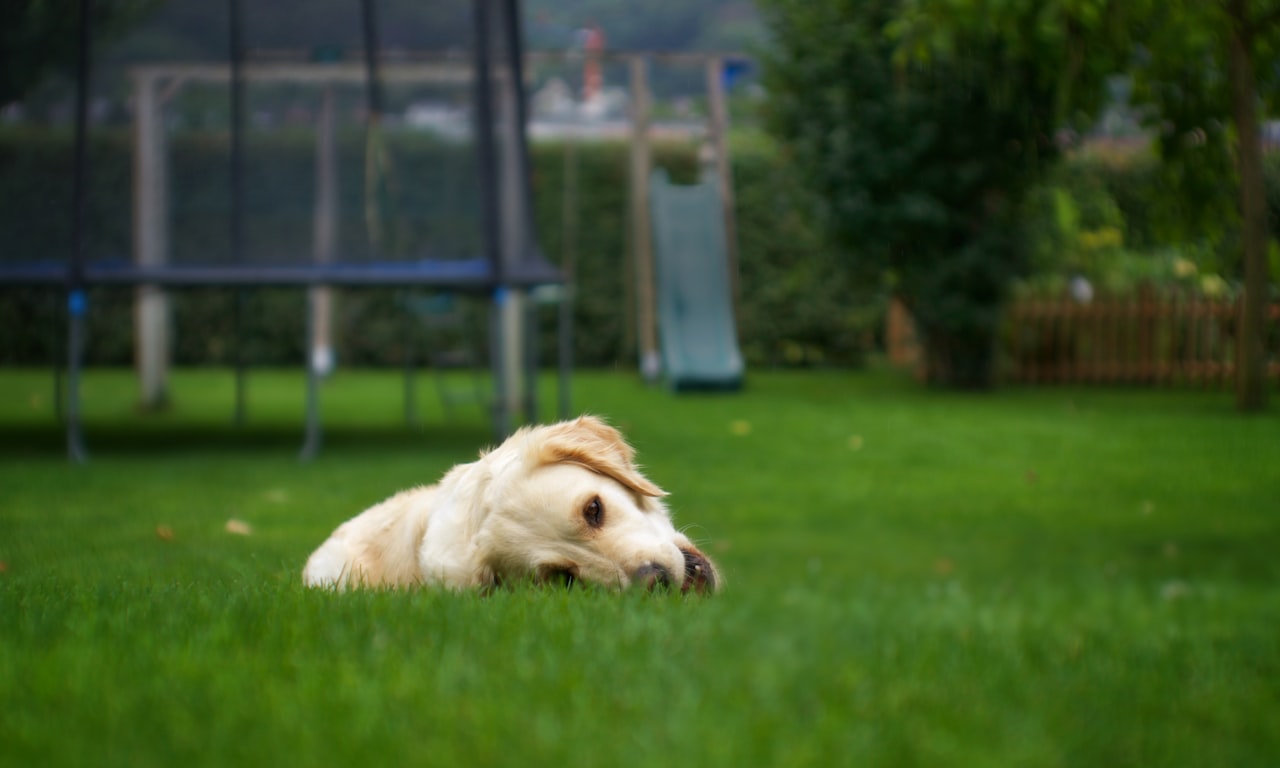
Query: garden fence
<point>1148,337</point>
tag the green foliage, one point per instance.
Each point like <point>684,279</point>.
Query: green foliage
<point>922,126</point>
<point>1106,214</point>
<point>1051,577</point>
<point>1181,78</point>
<point>797,307</point>
<point>39,37</point>
<point>1081,219</point>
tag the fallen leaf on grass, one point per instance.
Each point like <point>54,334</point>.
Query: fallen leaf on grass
<point>740,427</point>
<point>944,566</point>
<point>4,567</point>
<point>164,533</point>
<point>238,527</point>
<point>1174,590</point>
<point>855,442</point>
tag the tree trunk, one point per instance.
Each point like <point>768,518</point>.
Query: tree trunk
<point>958,360</point>
<point>1251,385</point>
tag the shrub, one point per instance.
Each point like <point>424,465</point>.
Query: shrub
<point>796,306</point>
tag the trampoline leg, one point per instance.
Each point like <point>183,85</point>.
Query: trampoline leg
<point>410,385</point>
<point>529,334</point>
<point>59,358</point>
<point>507,332</point>
<point>501,416</point>
<point>238,417</point>
<point>313,436</point>
<point>564,356</point>
<point>410,396</point>
<point>75,439</point>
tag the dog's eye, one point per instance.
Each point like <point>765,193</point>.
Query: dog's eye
<point>593,513</point>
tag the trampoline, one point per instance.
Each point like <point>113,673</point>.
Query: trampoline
<point>420,179</point>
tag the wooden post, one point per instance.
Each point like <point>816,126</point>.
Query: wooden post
<point>719,129</point>
<point>150,243</point>
<point>641,237</point>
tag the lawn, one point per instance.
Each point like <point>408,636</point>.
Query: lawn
<point>1050,577</point>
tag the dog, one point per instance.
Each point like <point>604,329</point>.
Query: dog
<point>559,503</point>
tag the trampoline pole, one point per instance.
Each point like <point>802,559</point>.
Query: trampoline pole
<point>410,386</point>
<point>76,303</point>
<point>564,353</point>
<point>529,332</point>
<point>59,356</point>
<point>501,417</point>
<point>313,436</point>
<point>373,83</point>
<point>237,193</point>
<point>487,167</point>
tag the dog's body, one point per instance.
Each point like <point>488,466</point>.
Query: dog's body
<point>564,501</point>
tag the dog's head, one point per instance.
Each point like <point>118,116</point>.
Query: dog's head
<point>566,502</point>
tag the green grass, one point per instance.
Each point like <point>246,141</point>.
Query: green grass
<point>1055,577</point>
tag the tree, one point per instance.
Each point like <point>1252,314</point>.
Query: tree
<point>923,125</point>
<point>1202,66</point>
<point>38,37</point>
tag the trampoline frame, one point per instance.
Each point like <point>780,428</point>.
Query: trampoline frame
<point>510,270</point>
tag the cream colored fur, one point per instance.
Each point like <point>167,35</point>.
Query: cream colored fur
<point>523,510</point>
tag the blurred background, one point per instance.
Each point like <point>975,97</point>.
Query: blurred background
<point>981,193</point>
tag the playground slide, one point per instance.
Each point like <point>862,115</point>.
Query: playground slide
<point>695,309</point>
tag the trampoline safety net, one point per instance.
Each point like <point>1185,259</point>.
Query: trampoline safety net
<point>299,159</point>
<point>292,142</point>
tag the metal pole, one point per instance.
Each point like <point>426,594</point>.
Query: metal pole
<point>410,384</point>
<point>77,305</point>
<point>485,155</point>
<point>530,342</point>
<point>374,161</point>
<point>59,356</point>
<point>314,435</point>
<point>373,83</point>
<point>518,220</point>
<point>237,192</point>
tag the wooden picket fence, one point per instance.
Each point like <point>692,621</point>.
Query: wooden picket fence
<point>1145,338</point>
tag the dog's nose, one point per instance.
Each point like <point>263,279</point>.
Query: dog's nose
<point>699,575</point>
<point>652,576</point>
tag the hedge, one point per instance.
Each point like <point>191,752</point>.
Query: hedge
<point>795,308</point>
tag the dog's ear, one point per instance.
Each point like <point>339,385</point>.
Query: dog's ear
<point>590,442</point>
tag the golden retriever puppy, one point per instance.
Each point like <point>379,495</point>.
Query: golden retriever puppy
<point>563,502</point>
